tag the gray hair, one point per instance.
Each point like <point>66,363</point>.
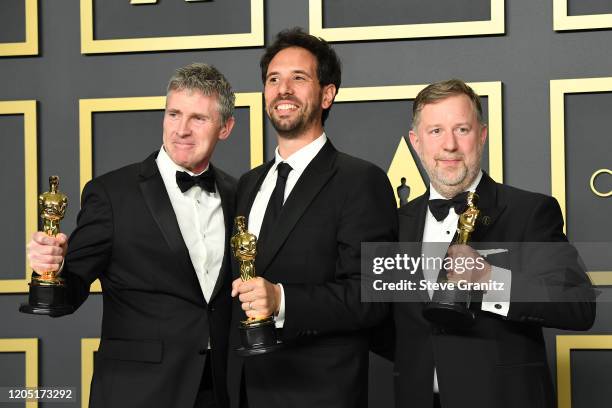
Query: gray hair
<point>208,80</point>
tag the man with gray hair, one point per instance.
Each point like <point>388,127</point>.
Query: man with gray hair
<point>155,234</point>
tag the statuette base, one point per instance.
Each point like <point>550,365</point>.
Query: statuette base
<point>258,337</point>
<point>46,299</point>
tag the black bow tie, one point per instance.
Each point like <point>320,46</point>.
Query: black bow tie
<point>206,180</point>
<point>439,207</point>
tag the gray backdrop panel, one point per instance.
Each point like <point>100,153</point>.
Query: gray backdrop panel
<point>13,190</point>
<point>355,13</point>
<point>583,7</point>
<point>12,22</point>
<point>117,19</point>
<point>525,59</point>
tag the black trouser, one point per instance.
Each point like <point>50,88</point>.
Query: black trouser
<point>206,393</point>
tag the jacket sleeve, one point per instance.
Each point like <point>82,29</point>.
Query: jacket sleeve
<point>90,245</point>
<point>552,288</point>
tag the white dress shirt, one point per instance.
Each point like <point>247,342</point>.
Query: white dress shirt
<point>200,218</point>
<point>437,232</point>
<point>298,162</point>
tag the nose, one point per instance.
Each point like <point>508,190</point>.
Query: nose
<point>284,87</point>
<point>449,142</point>
<point>183,127</point>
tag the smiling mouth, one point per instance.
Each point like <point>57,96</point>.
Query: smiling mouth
<point>285,107</point>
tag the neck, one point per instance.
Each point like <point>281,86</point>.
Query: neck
<point>449,192</point>
<point>288,146</point>
<point>199,168</point>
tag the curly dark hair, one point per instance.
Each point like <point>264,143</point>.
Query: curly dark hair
<point>329,68</point>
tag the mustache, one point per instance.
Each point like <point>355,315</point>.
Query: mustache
<point>459,157</point>
<point>285,98</point>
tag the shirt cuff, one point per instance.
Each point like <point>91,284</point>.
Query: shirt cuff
<point>61,268</point>
<point>498,301</point>
<point>279,319</point>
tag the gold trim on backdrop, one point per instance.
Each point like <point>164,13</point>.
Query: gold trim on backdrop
<point>87,107</point>
<point>253,100</point>
<point>30,45</point>
<point>30,348</point>
<point>403,164</point>
<point>28,110</point>
<point>564,22</point>
<point>592,183</point>
<point>88,349</point>
<point>601,278</point>
<point>558,89</point>
<point>496,25</point>
<point>565,344</point>
<point>89,45</point>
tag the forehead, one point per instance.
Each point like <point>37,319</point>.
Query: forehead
<point>455,108</point>
<point>190,99</point>
<point>293,59</point>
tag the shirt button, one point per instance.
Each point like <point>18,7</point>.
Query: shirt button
<point>448,232</point>
<point>498,306</point>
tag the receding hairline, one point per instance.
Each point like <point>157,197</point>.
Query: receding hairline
<point>435,100</point>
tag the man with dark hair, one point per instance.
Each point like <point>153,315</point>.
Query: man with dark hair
<point>155,234</point>
<point>499,361</point>
<point>310,222</point>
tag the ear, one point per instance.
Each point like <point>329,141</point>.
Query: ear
<point>414,140</point>
<point>329,94</point>
<point>484,132</point>
<point>226,128</point>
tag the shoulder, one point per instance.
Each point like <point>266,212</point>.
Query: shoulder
<point>411,205</point>
<point>230,181</point>
<point>116,179</point>
<point>123,178</point>
<point>516,197</point>
<point>351,166</point>
<point>252,175</point>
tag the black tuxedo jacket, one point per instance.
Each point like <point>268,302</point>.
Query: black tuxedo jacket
<point>156,323</point>
<point>500,361</point>
<point>314,252</point>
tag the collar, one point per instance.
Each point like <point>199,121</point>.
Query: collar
<point>168,167</point>
<point>433,193</point>
<point>300,159</point>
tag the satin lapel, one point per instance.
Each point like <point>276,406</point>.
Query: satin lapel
<point>227,193</point>
<point>312,180</point>
<point>490,209</point>
<point>249,192</point>
<point>411,227</point>
<point>412,219</point>
<point>157,200</point>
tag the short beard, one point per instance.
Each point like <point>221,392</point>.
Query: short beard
<point>292,131</point>
<point>451,187</point>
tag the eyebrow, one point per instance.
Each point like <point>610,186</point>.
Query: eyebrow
<point>295,71</point>
<point>434,125</point>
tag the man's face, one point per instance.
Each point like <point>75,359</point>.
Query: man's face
<point>449,141</point>
<point>192,127</point>
<point>294,98</point>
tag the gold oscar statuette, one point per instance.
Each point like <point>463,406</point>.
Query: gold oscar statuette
<point>258,334</point>
<point>450,307</point>
<point>47,294</point>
